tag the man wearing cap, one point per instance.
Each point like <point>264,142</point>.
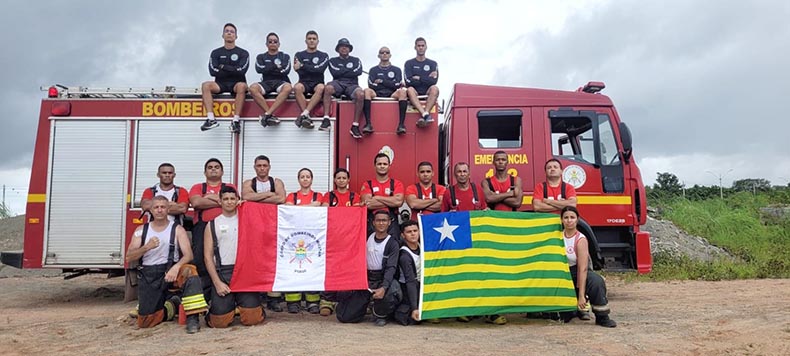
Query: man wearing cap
<point>345,71</point>
<point>421,75</point>
<point>385,81</point>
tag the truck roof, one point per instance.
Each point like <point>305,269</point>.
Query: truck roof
<point>476,95</point>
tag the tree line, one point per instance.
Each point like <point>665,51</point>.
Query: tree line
<point>668,186</point>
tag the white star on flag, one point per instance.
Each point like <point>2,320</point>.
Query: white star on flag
<point>446,230</point>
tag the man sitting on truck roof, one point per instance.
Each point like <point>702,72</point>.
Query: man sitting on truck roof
<point>424,197</point>
<point>502,191</point>
<point>345,71</point>
<point>178,197</point>
<point>310,64</point>
<point>228,65</point>
<point>157,246</point>
<point>383,193</point>
<point>385,81</point>
<point>421,76</point>
<point>204,198</point>
<point>553,194</point>
<point>274,67</point>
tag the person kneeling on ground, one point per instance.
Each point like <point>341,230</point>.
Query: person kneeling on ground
<point>161,271</point>
<point>382,260</point>
<point>407,312</point>
<point>587,283</point>
<point>221,241</point>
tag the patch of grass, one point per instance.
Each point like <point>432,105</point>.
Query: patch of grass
<point>763,249</point>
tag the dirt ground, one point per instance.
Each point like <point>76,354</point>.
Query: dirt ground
<point>47,315</point>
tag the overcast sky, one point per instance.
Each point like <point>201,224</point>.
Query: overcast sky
<point>700,83</point>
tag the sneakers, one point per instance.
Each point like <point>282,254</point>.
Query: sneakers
<point>380,322</point>
<point>325,124</point>
<point>304,121</point>
<point>298,121</point>
<point>327,308</point>
<point>368,129</point>
<point>605,321</point>
<point>496,319</point>
<point>463,319</point>
<point>434,321</point>
<point>274,306</point>
<point>209,124</point>
<point>420,122</point>
<point>193,324</point>
<point>428,119</point>
<point>401,130</point>
<point>235,127</point>
<point>312,308</point>
<point>135,312</point>
<point>268,120</point>
<point>354,131</point>
<point>293,308</point>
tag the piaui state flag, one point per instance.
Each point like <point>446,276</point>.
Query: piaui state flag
<point>296,248</point>
<point>493,262</point>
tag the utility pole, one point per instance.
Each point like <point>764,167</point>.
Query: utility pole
<point>721,177</point>
<point>3,194</point>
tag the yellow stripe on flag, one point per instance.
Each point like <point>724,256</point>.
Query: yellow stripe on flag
<point>498,284</point>
<point>488,252</point>
<point>500,222</point>
<point>519,239</point>
<point>498,301</point>
<point>491,268</point>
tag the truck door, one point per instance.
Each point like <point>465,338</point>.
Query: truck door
<point>87,193</point>
<point>508,130</point>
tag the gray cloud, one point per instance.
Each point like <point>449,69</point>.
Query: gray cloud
<point>688,77</point>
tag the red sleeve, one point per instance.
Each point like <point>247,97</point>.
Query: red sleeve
<point>440,189</point>
<point>183,196</point>
<point>364,189</point>
<point>446,200</point>
<point>325,198</point>
<point>321,196</point>
<point>196,190</point>
<point>570,191</point>
<point>410,190</point>
<point>398,187</point>
<point>537,194</point>
<point>147,194</point>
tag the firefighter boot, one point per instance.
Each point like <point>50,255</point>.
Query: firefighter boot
<point>193,323</point>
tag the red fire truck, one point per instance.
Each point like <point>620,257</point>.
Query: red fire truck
<point>97,149</point>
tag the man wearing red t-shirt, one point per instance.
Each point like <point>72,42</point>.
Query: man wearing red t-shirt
<point>341,196</point>
<point>383,193</point>
<point>178,197</point>
<point>464,194</point>
<point>554,194</point>
<point>204,197</point>
<point>424,197</point>
<point>502,191</point>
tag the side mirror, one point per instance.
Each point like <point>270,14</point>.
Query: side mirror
<point>625,140</point>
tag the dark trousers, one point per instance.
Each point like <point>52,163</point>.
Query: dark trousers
<point>595,287</point>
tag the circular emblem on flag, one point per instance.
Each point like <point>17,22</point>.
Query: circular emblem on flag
<point>574,175</point>
<point>300,248</point>
<point>426,67</point>
<point>387,150</point>
<point>391,75</point>
<point>315,60</point>
<point>277,61</point>
<point>234,57</point>
<point>349,65</point>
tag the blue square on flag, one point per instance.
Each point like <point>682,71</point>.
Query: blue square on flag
<point>446,231</point>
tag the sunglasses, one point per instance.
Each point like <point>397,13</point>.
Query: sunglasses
<point>384,52</point>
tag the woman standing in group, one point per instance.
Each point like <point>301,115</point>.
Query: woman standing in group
<point>587,283</point>
<point>305,196</point>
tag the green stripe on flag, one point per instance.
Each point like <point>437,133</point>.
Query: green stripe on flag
<point>481,280</point>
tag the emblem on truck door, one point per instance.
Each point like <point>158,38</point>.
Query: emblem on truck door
<point>574,175</point>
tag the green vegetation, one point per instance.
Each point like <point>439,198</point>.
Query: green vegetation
<point>760,245</point>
